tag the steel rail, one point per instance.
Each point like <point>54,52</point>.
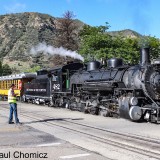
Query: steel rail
<point>132,148</point>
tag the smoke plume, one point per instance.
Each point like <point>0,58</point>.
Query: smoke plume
<point>47,49</point>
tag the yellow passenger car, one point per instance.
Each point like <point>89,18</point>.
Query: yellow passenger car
<point>18,79</point>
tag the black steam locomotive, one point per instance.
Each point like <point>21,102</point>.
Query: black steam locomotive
<point>132,92</point>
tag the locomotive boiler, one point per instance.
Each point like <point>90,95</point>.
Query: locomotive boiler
<point>133,92</point>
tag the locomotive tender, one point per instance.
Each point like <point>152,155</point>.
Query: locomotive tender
<point>130,91</point>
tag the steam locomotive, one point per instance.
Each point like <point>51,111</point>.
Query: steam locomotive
<point>128,91</point>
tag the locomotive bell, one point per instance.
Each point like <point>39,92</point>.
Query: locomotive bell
<point>103,61</point>
<point>144,56</point>
<point>93,65</point>
<point>115,62</point>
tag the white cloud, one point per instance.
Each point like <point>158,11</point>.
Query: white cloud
<point>14,8</point>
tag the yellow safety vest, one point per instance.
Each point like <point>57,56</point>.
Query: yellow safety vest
<point>11,99</point>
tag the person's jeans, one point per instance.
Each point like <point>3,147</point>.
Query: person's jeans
<point>13,109</point>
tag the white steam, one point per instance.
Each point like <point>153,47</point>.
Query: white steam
<point>47,49</point>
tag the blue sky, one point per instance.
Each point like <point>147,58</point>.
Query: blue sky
<point>142,16</point>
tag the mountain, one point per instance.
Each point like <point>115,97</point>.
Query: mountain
<point>126,33</point>
<point>20,32</point>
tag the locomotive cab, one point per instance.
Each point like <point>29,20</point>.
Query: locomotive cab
<point>61,77</point>
<point>60,80</point>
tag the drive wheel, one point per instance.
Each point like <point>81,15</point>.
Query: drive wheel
<point>135,113</point>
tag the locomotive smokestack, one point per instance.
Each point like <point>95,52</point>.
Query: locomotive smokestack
<point>145,56</point>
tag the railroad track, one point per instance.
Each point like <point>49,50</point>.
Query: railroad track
<point>137,144</point>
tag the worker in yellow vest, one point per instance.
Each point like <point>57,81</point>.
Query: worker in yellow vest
<point>13,105</point>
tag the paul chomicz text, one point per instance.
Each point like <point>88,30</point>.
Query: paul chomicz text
<point>19,154</point>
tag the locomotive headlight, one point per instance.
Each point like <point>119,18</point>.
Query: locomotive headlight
<point>133,101</point>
